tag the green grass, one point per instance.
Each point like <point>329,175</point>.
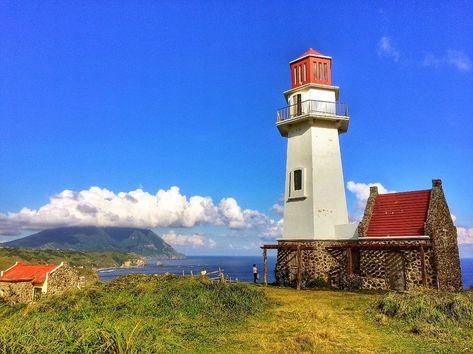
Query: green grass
<point>135,313</point>
<point>170,314</point>
<point>8,257</point>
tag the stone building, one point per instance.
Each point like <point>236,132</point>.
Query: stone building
<point>24,283</point>
<point>404,240</point>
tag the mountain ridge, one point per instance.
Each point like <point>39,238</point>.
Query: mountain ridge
<point>143,242</point>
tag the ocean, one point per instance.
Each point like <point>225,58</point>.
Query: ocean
<point>237,267</point>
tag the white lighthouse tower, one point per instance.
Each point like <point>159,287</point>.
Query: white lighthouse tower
<point>314,204</point>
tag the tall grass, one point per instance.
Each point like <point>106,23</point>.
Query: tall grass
<point>436,308</point>
<point>131,314</point>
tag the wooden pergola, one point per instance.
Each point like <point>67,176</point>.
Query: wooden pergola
<point>348,247</point>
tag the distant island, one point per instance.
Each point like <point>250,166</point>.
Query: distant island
<point>142,242</point>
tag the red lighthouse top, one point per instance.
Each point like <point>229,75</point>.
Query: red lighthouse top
<point>311,67</point>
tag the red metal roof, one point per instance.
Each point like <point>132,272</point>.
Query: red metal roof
<point>311,51</point>
<point>26,272</point>
<point>399,214</point>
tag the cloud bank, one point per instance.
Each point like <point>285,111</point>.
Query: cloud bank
<point>194,240</point>
<point>102,207</point>
<point>454,58</point>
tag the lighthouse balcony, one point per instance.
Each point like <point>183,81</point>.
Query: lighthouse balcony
<point>314,110</point>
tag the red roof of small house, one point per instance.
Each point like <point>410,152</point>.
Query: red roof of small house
<point>399,214</point>
<point>27,272</point>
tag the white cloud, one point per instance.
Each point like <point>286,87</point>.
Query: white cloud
<point>465,235</point>
<point>362,191</point>
<point>102,207</point>
<point>246,247</point>
<point>273,230</point>
<point>387,50</point>
<point>193,240</point>
<point>278,208</point>
<point>455,58</point>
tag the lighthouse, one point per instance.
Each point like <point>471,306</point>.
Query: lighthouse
<point>404,240</point>
<point>314,199</point>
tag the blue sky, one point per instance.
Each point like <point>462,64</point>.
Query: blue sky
<point>125,96</point>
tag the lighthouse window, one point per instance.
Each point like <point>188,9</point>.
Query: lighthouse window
<point>315,70</point>
<point>295,76</point>
<point>297,180</point>
<point>296,184</point>
<point>299,73</point>
<point>320,71</point>
<point>325,72</point>
<point>305,72</point>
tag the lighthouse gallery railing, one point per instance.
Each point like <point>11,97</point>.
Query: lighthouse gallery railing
<point>313,107</point>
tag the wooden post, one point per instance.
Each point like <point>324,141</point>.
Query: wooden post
<point>422,266</point>
<point>265,267</point>
<point>299,267</point>
<point>349,261</point>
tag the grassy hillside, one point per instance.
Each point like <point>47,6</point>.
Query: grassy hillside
<point>136,313</point>
<point>8,257</point>
<point>172,314</point>
<point>99,239</point>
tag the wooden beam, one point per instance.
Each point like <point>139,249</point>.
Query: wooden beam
<point>422,266</point>
<point>265,267</point>
<point>349,261</point>
<point>299,267</point>
<point>372,245</point>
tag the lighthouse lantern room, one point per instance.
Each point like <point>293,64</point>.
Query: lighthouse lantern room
<point>315,206</point>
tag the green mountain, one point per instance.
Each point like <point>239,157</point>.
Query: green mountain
<point>99,239</point>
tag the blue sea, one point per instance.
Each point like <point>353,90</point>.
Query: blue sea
<point>237,267</point>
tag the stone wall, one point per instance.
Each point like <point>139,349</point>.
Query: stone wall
<point>320,263</point>
<point>64,278</point>
<point>363,225</point>
<point>377,263</point>
<point>16,292</point>
<point>328,263</point>
<point>439,225</point>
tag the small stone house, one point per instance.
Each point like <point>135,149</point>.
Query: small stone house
<point>405,240</point>
<point>24,283</point>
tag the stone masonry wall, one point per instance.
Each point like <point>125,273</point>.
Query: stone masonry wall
<point>320,263</point>
<point>363,225</point>
<point>329,264</point>
<point>16,292</point>
<point>439,225</point>
<point>62,279</point>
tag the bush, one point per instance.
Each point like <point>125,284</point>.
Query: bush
<point>315,283</point>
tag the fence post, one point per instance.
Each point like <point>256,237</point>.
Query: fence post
<point>265,267</point>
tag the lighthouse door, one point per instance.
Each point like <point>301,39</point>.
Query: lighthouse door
<point>395,271</point>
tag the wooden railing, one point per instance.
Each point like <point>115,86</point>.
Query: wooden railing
<point>216,276</point>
